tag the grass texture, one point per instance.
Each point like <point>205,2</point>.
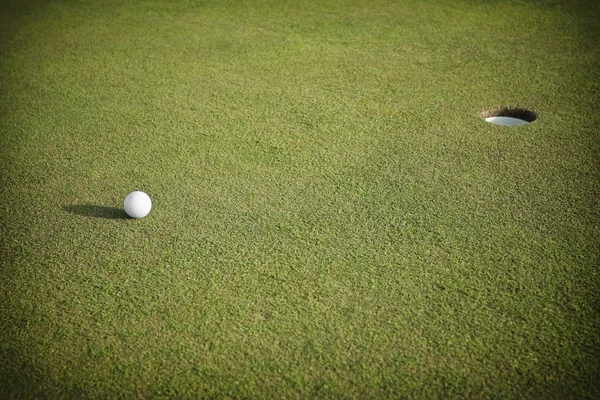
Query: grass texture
<point>332,218</point>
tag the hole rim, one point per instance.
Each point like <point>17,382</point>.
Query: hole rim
<point>523,114</point>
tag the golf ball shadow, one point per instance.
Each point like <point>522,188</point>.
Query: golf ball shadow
<point>95,211</point>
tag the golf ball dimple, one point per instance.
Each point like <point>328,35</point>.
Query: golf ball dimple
<point>137,204</point>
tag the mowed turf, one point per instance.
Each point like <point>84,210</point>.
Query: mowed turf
<point>331,219</point>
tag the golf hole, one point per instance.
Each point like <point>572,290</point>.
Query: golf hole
<point>509,116</point>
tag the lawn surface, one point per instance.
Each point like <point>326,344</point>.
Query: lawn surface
<point>332,217</point>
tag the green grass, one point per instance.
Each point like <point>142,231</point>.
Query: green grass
<point>332,218</point>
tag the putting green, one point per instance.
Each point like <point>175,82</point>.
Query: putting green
<point>331,217</point>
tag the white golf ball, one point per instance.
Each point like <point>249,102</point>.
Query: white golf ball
<point>137,204</point>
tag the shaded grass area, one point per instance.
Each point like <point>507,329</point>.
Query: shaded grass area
<point>331,217</point>
<point>92,210</point>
